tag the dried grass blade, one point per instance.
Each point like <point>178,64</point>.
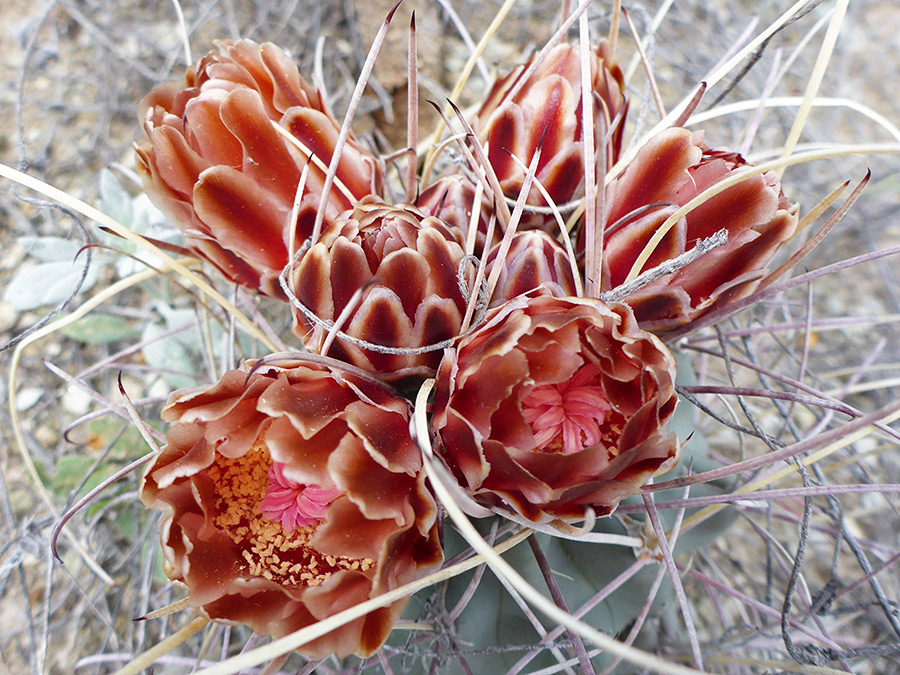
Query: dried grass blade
<point>815,78</point>
<point>164,647</point>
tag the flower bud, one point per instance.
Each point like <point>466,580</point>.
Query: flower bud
<point>545,111</point>
<point>451,199</point>
<point>535,261</point>
<point>667,173</point>
<point>213,161</point>
<point>405,266</point>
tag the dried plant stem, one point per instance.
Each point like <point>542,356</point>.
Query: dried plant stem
<point>164,647</point>
<point>342,318</point>
<point>15,422</point>
<point>775,395</point>
<point>768,88</point>
<point>639,620</point>
<point>775,666</point>
<point>560,600</point>
<point>815,79</point>
<point>718,315</point>
<point>755,604</point>
<point>746,498</point>
<point>563,232</point>
<point>478,283</point>
<point>183,31</point>
<point>412,112</point>
<point>836,438</point>
<point>669,561</point>
<point>314,158</point>
<point>604,593</point>
<point>312,357</point>
<point>510,232</point>
<point>622,291</point>
<point>592,224</point>
<point>820,208</point>
<point>847,439</point>
<point>538,59</point>
<point>818,237</point>
<point>90,496</point>
<point>176,606</point>
<point>712,79</point>
<point>295,209</point>
<point>796,101</point>
<point>478,160</point>
<point>109,406</point>
<point>463,31</point>
<point>648,70</point>
<point>535,622</point>
<point>613,37</point>
<point>692,105</point>
<point>655,23</point>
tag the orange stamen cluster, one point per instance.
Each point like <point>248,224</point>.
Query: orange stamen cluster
<point>288,559</point>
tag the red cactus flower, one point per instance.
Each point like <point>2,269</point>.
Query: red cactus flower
<point>534,261</point>
<point>517,115</point>
<point>213,161</point>
<point>555,406</point>
<point>406,266</point>
<point>289,493</point>
<point>669,171</point>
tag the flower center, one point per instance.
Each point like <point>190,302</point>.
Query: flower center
<point>568,416</point>
<point>272,520</point>
<point>294,504</point>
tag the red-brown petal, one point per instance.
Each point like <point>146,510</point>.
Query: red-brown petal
<point>242,216</point>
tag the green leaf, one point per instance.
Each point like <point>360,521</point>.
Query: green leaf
<point>46,283</point>
<point>171,355</point>
<point>98,329</point>
<point>50,249</point>
<point>114,199</point>
<point>70,471</point>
